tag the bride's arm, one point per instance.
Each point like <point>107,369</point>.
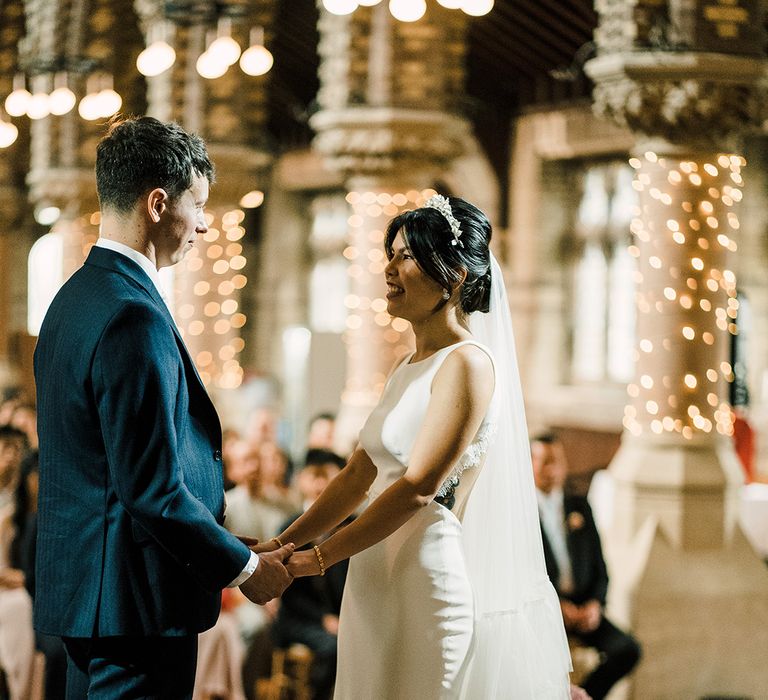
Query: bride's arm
<point>339,499</point>
<point>461,393</point>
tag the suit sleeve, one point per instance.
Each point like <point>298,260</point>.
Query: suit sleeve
<point>137,372</point>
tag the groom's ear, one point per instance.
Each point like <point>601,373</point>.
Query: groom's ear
<point>156,204</point>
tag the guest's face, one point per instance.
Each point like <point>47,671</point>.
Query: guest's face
<point>321,434</point>
<point>11,451</point>
<point>549,465</point>
<point>182,219</point>
<point>411,294</point>
<point>273,464</point>
<point>313,479</point>
<point>243,464</point>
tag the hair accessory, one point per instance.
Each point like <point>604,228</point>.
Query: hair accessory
<point>437,201</point>
<point>320,560</point>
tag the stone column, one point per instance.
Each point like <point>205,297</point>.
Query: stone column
<point>229,112</point>
<point>685,79</point>
<point>389,121</point>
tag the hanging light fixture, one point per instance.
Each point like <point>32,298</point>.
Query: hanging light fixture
<point>410,10</point>
<point>159,55</point>
<point>8,133</point>
<point>39,106</point>
<point>17,102</point>
<point>62,99</point>
<point>109,101</point>
<point>224,48</point>
<point>101,101</point>
<point>340,7</point>
<point>407,10</point>
<point>477,8</point>
<point>210,65</point>
<point>257,59</point>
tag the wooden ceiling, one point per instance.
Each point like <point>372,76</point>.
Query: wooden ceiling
<point>512,52</point>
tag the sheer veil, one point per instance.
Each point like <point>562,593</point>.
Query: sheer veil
<point>520,648</point>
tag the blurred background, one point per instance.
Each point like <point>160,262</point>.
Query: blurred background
<point>620,149</point>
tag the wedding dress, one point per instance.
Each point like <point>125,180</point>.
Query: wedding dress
<point>447,609</point>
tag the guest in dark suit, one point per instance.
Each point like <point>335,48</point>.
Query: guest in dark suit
<point>577,569</point>
<point>309,609</point>
<point>131,554</point>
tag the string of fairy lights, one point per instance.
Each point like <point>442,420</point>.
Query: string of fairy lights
<point>367,319</point>
<point>208,283</point>
<point>684,231</point>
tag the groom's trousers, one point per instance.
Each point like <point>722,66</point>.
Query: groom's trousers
<point>135,668</point>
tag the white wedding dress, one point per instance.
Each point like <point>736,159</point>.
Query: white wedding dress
<point>443,609</point>
<point>406,620</point>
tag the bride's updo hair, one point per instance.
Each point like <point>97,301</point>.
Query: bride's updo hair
<point>429,237</point>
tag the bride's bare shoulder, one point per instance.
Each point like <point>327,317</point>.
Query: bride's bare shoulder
<point>468,368</point>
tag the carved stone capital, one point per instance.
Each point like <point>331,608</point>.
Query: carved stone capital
<point>380,140</point>
<point>700,98</point>
<point>73,190</point>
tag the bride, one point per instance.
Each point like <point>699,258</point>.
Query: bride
<point>447,594</point>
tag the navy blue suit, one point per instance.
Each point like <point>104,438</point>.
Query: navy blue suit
<point>131,501</point>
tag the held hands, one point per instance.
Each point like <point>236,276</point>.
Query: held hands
<point>304,563</point>
<point>271,577</point>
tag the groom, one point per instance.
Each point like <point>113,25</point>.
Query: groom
<point>131,554</point>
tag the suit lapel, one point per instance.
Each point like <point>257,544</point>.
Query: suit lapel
<point>111,260</point>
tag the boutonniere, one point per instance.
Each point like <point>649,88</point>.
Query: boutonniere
<point>575,520</point>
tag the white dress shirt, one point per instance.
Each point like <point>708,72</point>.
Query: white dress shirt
<point>146,264</point>
<point>553,521</point>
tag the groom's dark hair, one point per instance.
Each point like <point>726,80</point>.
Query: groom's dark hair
<point>138,154</point>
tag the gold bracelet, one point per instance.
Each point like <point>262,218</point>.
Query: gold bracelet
<point>320,561</point>
<point>277,539</point>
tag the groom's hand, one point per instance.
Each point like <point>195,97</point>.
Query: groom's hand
<point>271,577</point>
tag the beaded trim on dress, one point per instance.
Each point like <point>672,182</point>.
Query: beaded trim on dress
<point>471,458</point>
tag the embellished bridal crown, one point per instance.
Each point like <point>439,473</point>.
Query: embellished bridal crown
<point>437,201</point>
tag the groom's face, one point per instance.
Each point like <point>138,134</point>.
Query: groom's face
<point>181,221</point>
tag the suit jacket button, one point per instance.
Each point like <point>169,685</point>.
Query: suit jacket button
<point>217,455</point>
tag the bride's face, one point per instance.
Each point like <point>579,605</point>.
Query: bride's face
<point>411,294</point>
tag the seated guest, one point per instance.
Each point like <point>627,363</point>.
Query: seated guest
<point>577,569</point>
<point>276,473</point>
<point>24,418</point>
<point>22,556</point>
<point>251,510</point>
<point>309,609</point>
<point>17,638</point>
<point>321,438</point>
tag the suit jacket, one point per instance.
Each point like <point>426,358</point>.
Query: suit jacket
<point>590,576</point>
<point>131,493</point>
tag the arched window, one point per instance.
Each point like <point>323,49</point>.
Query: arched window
<point>602,310</point>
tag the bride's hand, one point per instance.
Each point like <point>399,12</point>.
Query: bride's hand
<point>303,563</point>
<point>260,547</point>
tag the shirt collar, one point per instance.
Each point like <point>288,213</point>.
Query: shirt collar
<point>140,259</point>
<point>552,499</point>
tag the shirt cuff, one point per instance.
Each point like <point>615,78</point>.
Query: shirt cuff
<point>245,574</point>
